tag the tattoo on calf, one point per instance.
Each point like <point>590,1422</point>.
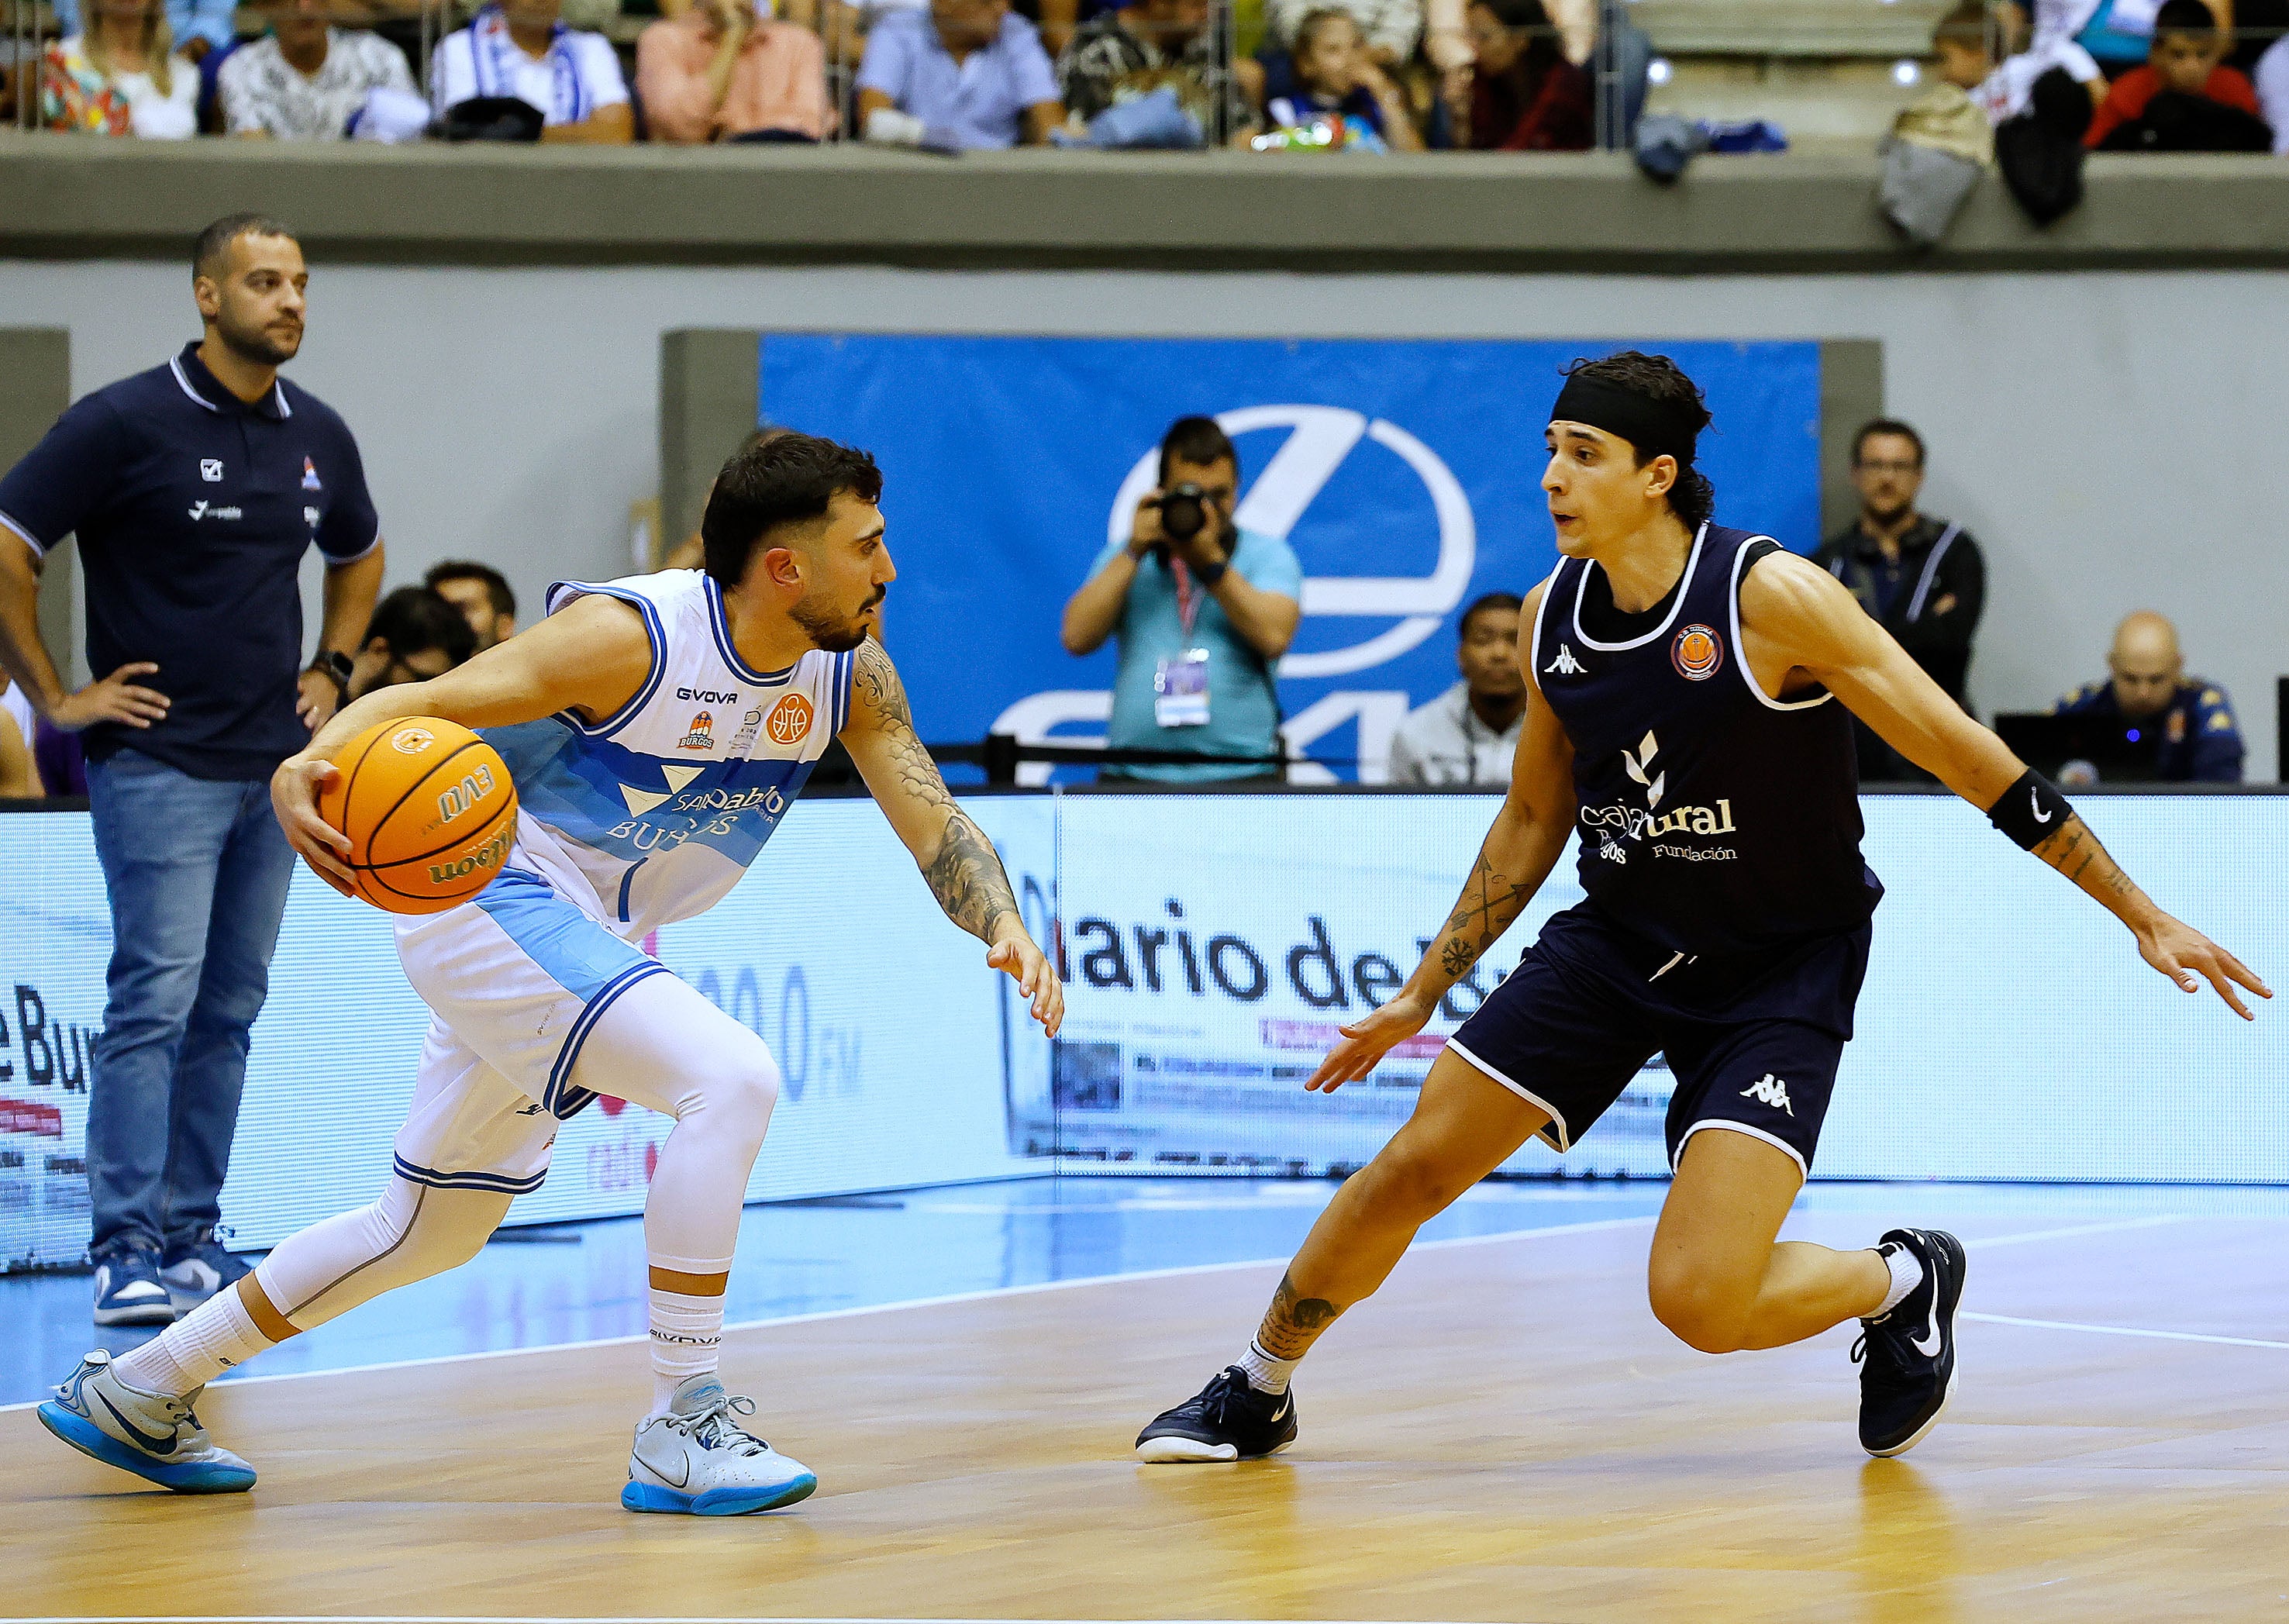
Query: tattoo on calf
<point>1292,1323</point>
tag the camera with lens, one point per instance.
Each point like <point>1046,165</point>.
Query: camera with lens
<point>1183,511</point>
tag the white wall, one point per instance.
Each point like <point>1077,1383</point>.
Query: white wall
<point>2113,439</point>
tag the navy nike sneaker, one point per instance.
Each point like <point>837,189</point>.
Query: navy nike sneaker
<point>1907,1358</point>
<point>156,1436</point>
<point>1227,1420</point>
<point>198,1268</point>
<point>128,1290</point>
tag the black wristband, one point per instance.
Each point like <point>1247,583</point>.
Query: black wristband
<point>2031,810</point>
<point>1210,574</point>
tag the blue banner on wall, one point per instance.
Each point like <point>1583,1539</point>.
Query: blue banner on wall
<point>1407,476</point>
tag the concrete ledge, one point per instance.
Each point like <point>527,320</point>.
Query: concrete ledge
<point>64,197</point>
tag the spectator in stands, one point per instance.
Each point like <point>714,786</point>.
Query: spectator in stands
<point>1202,611</point>
<point>189,540</point>
<point>720,72</point>
<point>483,595</point>
<point>961,75</point>
<point>198,26</point>
<point>2006,89</point>
<point>1522,94</point>
<point>521,49</point>
<point>1330,73</point>
<point>1922,578</point>
<point>2185,64</point>
<point>2197,740</point>
<point>415,635</point>
<point>2273,92</point>
<point>1469,734</point>
<point>1117,56</point>
<point>308,80</point>
<point>1390,28</point>
<point>2120,34</point>
<point>122,76</point>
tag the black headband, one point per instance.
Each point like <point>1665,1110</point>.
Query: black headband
<point>1657,428</point>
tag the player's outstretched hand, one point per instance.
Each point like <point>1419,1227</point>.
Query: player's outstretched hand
<point>2189,957</point>
<point>1036,977</point>
<point>1367,1041</point>
<point>294,797</point>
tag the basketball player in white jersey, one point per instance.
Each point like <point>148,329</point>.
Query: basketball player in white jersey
<point>657,728</point>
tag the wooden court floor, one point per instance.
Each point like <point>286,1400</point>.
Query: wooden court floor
<point>1505,1433</point>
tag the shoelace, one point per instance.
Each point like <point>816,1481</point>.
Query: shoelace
<point>1882,1352</point>
<point>1222,1394</point>
<point>713,1427</point>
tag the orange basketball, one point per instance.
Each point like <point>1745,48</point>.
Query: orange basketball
<point>429,811</point>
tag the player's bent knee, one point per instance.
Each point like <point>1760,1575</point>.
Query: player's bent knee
<point>1703,1316</point>
<point>1412,1183</point>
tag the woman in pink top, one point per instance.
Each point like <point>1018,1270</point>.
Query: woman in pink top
<point>719,72</point>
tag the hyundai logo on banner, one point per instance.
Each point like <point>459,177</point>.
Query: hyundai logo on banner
<point>1405,474</point>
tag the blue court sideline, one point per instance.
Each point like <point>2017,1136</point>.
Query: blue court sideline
<point>583,1282</point>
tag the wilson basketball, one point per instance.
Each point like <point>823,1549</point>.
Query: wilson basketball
<point>429,811</point>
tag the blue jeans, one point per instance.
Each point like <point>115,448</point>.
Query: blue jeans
<point>198,872</point>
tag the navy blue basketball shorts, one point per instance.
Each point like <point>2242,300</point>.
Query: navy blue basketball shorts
<point>1754,1046</point>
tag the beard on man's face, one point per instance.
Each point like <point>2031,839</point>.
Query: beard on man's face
<point>257,344</point>
<point>837,633</point>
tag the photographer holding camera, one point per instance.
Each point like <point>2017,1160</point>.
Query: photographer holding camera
<point>1203,611</point>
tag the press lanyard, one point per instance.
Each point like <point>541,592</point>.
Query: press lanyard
<point>1188,596</point>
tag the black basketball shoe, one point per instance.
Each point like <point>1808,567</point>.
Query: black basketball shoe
<point>1907,1358</point>
<point>1228,1421</point>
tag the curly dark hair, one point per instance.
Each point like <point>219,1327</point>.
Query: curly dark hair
<point>779,478</point>
<point>1692,498</point>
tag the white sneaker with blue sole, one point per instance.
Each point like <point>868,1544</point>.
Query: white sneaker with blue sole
<point>156,1436</point>
<point>699,1461</point>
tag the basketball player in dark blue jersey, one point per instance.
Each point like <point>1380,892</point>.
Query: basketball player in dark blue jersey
<point>1688,689</point>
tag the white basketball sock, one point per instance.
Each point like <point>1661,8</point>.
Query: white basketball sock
<point>1907,1274</point>
<point>1265,1374</point>
<point>216,1336</point>
<point>686,1338</point>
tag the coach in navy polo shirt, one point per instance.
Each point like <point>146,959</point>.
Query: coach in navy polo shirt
<point>194,490</point>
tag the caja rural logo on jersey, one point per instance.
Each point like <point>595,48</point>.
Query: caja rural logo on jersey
<point>1697,654</point>
<point>1616,824</point>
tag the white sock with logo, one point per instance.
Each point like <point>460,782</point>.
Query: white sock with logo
<point>1265,1374</point>
<point>1907,1274</point>
<point>686,1339</point>
<point>216,1336</point>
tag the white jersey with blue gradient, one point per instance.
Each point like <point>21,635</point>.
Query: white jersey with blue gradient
<point>660,807</point>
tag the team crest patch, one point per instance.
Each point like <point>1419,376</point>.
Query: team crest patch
<point>310,476</point>
<point>1696,654</point>
<point>789,720</point>
<point>702,735</point>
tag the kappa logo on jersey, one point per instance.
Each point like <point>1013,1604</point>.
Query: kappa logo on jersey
<point>1770,1090</point>
<point>707,696</point>
<point>211,470</point>
<point>1564,664</point>
<point>1697,654</point>
<point>702,734</point>
<point>1636,765</point>
<point>310,476</point>
<point>789,720</point>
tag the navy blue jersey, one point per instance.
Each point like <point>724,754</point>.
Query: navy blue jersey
<point>192,510</point>
<point>1714,819</point>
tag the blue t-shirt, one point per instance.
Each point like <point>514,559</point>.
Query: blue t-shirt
<point>982,99</point>
<point>1243,705</point>
<point>192,509</point>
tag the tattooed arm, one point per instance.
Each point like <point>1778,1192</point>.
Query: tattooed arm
<point>958,862</point>
<point>1528,835</point>
<point>1800,627</point>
